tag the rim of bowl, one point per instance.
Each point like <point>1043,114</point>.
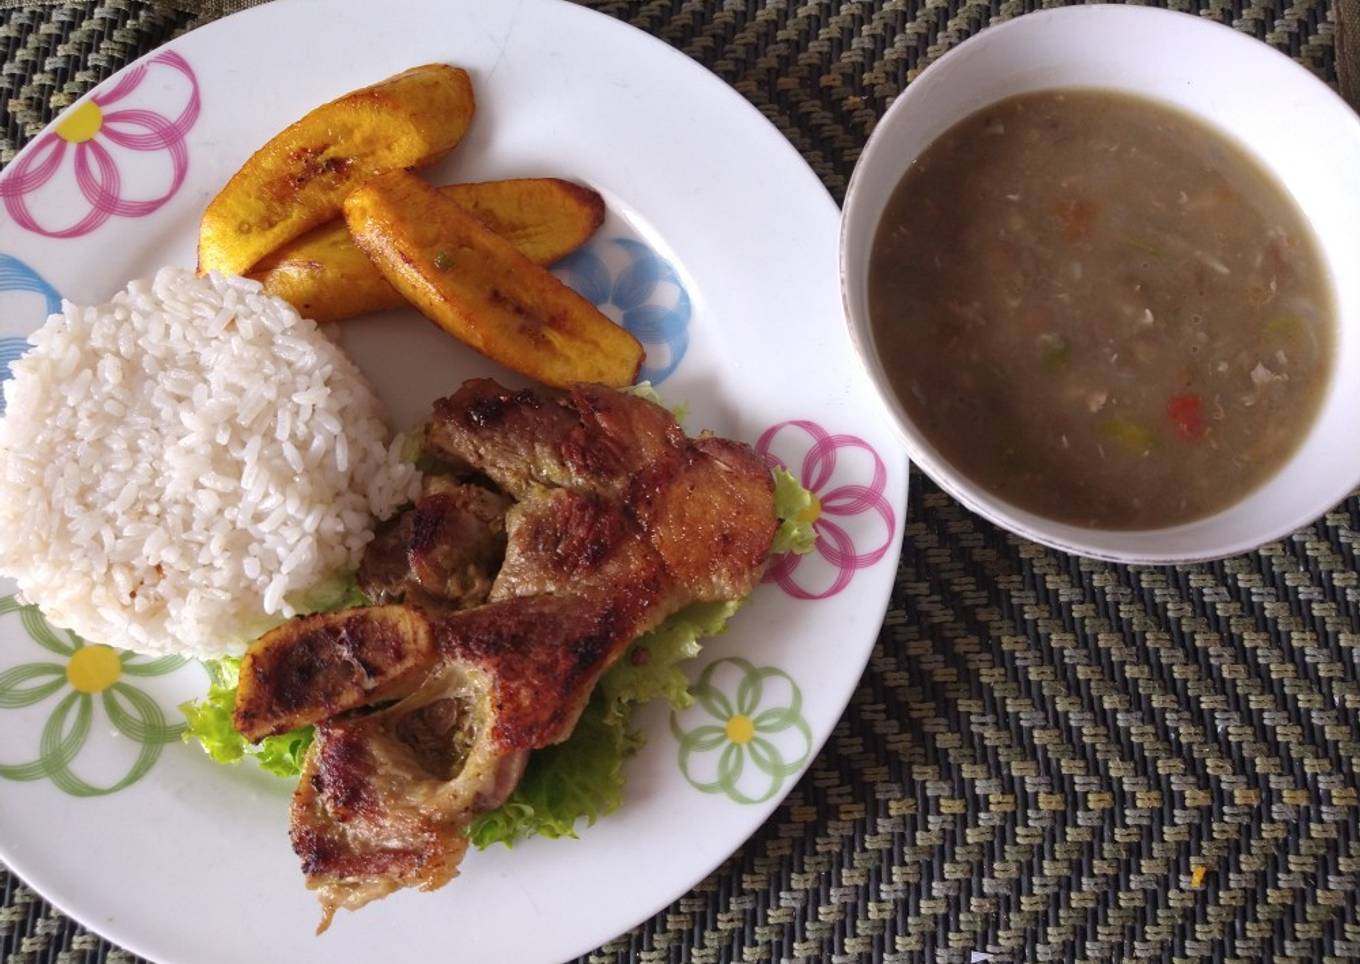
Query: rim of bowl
<point>940,471</point>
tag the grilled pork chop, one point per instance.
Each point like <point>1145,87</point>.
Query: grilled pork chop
<point>619,521</point>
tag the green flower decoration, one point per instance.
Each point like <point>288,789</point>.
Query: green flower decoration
<point>759,739</point>
<point>84,671</point>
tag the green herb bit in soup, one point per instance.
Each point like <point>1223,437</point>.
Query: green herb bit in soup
<point>1127,434</point>
<point>1101,309</point>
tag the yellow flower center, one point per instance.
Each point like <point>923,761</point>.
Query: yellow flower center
<point>81,123</point>
<point>94,669</point>
<point>740,729</point>
<point>813,512</point>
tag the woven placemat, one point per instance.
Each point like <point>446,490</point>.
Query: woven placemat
<point>1049,759</point>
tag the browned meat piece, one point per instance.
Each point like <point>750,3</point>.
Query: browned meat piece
<point>523,451</point>
<point>378,800</point>
<point>544,655</point>
<point>384,798</point>
<point>314,667</point>
<point>567,542</point>
<point>712,521</point>
<point>442,553</point>
<point>385,571</point>
<point>621,521</point>
<point>636,434</point>
<point>457,540</point>
<point>594,440</point>
<point>706,504</point>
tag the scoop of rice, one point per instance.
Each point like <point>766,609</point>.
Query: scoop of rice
<point>180,467</point>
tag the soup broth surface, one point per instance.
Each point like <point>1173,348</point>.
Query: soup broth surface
<point>1101,310</point>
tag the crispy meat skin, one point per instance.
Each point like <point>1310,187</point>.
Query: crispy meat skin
<point>314,667</point>
<point>620,521</point>
<point>568,543</point>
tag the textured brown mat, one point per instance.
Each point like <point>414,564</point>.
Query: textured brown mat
<point>1049,758</point>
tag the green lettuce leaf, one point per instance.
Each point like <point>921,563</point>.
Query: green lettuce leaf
<point>331,596</point>
<point>412,445</point>
<point>651,669</point>
<point>282,755</point>
<point>414,449</point>
<point>209,718</point>
<point>797,509</point>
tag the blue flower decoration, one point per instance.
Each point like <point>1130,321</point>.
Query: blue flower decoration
<point>17,276</point>
<point>646,297</point>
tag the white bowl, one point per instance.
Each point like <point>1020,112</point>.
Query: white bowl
<point>1286,117</point>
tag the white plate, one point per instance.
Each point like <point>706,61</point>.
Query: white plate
<point>727,260</point>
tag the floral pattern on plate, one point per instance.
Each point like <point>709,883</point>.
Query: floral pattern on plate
<point>750,735</point>
<point>640,290</point>
<point>85,132</point>
<point>19,277</point>
<point>835,550</point>
<point>81,673</point>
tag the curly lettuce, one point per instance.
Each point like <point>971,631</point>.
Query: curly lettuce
<point>332,596</point>
<point>797,509</point>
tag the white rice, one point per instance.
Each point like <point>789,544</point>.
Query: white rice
<point>181,466</point>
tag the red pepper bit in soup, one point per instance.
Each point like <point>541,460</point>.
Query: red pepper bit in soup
<point>1076,217</point>
<point>1186,410</point>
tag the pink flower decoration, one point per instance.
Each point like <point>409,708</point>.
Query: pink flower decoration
<point>834,545</point>
<point>84,128</point>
